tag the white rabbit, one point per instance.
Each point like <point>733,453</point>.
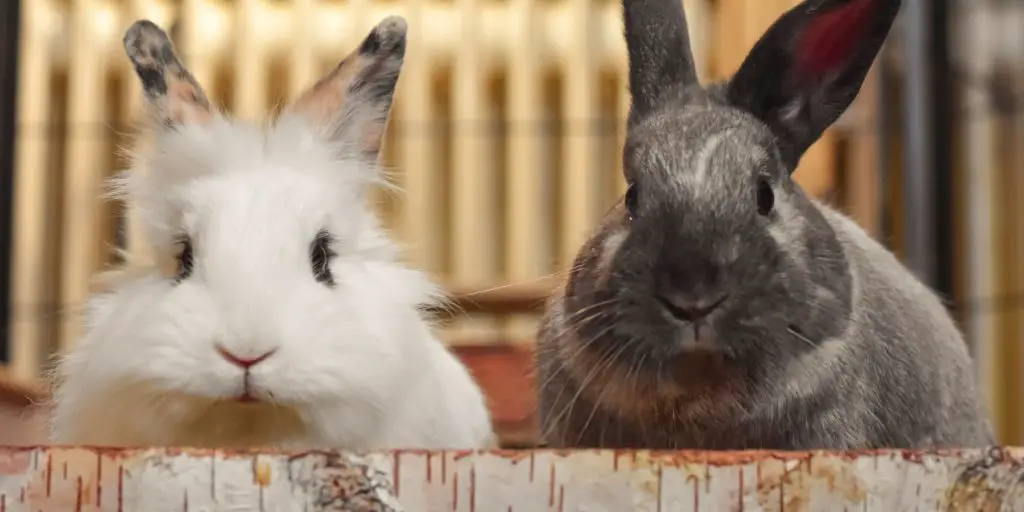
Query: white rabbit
<point>276,313</point>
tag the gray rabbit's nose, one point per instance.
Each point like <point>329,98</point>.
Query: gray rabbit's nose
<point>689,310</point>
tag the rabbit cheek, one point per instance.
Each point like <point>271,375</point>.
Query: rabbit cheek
<point>594,263</point>
<point>629,390</point>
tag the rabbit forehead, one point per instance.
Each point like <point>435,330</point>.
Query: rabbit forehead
<point>231,215</point>
<point>704,151</point>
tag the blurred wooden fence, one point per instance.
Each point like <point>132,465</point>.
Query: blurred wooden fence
<point>505,139</point>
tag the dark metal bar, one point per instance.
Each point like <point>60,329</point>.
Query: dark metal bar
<point>9,24</point>
<point>919,162</point>
<point>942,97</point>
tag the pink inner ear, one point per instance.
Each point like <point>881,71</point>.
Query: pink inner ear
<point>831,38</point>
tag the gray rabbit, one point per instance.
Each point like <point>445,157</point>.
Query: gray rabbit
<point>718,307</point>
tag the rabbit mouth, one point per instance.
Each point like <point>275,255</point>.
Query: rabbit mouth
<point>247,398</point>
<point>701,368</point>
<point>249,394</point>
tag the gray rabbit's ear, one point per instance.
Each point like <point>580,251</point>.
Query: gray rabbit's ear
<point>351,104</point>
<point>809,66</point>
<point>173,96</point>
<point>660,58</point>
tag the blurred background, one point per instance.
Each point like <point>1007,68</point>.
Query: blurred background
<point>506,137</point>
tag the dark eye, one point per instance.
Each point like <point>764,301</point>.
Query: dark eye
<point>320,255</point>
<point>184,258</point>
<point>631,200</point>
<point>765,197</point>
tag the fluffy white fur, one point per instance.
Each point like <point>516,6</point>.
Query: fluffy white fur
<point>356,366</point>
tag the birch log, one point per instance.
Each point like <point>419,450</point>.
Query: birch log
<point>54,479</point>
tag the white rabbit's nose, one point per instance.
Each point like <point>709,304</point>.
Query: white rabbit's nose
<point>243,362</point>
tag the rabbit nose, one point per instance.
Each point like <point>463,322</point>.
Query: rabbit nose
<point>243,362</point>
<point>687,310</point>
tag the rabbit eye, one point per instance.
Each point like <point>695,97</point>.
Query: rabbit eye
<point>320,256</point>
<point>765,197</point>
<point>184,258</point>
<point>631,200</point>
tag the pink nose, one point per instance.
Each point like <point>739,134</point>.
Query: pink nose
<point>243,362</point>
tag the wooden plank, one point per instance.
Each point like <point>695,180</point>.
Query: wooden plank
<point>171,480</point>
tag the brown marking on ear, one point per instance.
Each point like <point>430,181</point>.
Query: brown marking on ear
<point>173,94</point>
<point>320,103</point>
<point>351,104</point>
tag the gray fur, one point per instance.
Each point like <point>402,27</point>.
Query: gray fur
<point>822,339</point>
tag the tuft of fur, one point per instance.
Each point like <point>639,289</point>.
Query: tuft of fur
<point>718,307</point>
<point>353,365</point>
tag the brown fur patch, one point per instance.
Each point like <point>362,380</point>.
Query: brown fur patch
<point>184,103</point>
<point>321,102</point>
<point>701,380</point>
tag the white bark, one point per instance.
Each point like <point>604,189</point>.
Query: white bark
<point>82,479</point>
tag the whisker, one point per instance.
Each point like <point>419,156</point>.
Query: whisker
<point>586,381</point>
<point>518,283</point>
<point>583,346</point>
<point>800,336</point>
<point>597,403</point>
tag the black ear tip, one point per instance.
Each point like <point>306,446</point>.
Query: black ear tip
<point>145,39</point>
<point>387,38</point>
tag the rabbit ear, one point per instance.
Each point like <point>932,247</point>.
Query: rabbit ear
<point>351,104</point>
<point>809,66</point>
<point>658,43</point>
<point>173,96</point>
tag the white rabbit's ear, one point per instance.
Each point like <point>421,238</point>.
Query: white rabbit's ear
<point>809,66</point>
<point>351,104</point>
<point>658,44</point>
<point>173,96</point>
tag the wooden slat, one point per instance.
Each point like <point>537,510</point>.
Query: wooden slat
<point>131,114</point>
<point>82,245</point>
<point>31,282</point>
<point>418,161</point>
<point>862,194</point>
<point>474,224</point>
<point>982,215</point>
<point>528,217</point>
<point>249,84</point>
<point>579,201</point>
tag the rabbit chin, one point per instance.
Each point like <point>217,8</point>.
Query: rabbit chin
<point>140,417</point>
<point>231,424</point>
